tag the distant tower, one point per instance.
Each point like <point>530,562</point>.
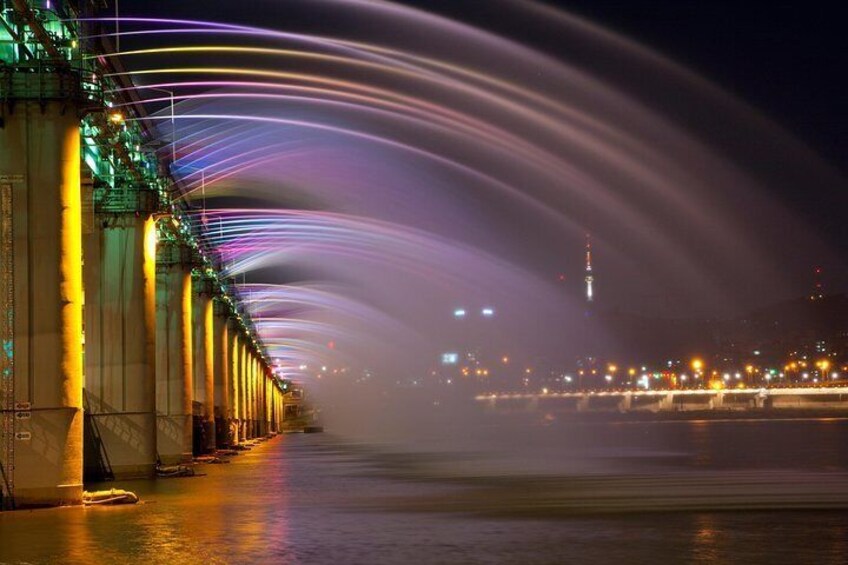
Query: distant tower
<point>589,278</point>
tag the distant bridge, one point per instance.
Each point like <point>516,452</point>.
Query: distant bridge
<point>765,399</point>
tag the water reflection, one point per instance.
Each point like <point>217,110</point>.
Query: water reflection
<point>704,540</point>
<point>319,499</point>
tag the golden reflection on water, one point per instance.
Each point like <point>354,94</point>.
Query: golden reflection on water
<point>227,516</point>
<point>296,499</point>
<point>701,440</point>
<point>705,540</point>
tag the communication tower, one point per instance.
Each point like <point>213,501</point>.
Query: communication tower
<point>590,294</point>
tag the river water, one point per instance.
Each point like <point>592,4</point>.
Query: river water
<point>503,489</point>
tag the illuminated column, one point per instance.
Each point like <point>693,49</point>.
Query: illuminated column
<point>278,409</point>
<point>284,396</point>
<point>272,403</point>
<point>281,412</point>
<point>40,182</point>
<point>284,408</point>
<point>260,406</point>
<point>267,398</point>
<point>174,367</point>
<point>251,385</point>
<point>269,403</point>
<point>120,337</point>
<point>221,375</point>
<point>234,369</point>
<point>203,372</point>
<point>243,389</point>
<point>257,397</point>
<point>257,409</point>
<point>260,400</point>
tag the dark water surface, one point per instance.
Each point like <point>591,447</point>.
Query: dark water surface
<point>566,493</point>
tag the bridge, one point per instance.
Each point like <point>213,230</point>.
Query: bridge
<point>122,340</point>
<point>773,400</point>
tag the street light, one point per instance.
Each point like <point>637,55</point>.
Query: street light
<point>173,122</point>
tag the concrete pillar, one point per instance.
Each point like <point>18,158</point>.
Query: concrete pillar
<point>260,406</point>
<point>203,372</point>
<point>235,363</point>
<point>40,162</point>
<point>243,399</point>
<point>221,376</point>
<point>120,341</point>
<point>626,402</point>
<point>272,405</point>
<point>280,411</point>
<point>283,410</point>
<point>276,404</point>
<point>269,405</point>
<point>252,383</point>
<point>251,393</point>
<point>263,401</point>
<point>260,399</point>
<point>174,367</point>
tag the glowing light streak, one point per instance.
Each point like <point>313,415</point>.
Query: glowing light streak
<point>531,201</point>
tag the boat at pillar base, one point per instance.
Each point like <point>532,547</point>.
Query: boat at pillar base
<point>109,497</point>
<point>167,471</point>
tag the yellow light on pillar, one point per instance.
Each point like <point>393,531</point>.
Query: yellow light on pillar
<point>150,238</point>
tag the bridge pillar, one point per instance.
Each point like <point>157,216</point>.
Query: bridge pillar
<point>275,409</point>
<point>626,402</point>
<point>204,351</point>
<point>254,412</point>
<point>269,404</point>
<point>263,402</point>
<point>221,376</point>
<point>174,367</point>
<point>120,343</point>
<point>234,380</point>
<point>243,391</point>
<point>260,400</point>
<point>244,414</point>
<point>40,189</point>
<point>281,412</point>
<point>254,394</point>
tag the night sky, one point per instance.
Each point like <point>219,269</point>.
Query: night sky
<point>787,59</point>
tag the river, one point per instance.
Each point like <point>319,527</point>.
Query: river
<point>501,490</point>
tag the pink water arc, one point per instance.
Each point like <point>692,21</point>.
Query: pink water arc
<point>365,181</point>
